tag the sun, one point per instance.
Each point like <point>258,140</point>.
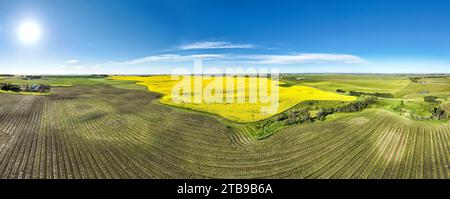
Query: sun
<point>29,32</point>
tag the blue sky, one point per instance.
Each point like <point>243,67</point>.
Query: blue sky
<point>148,37</point>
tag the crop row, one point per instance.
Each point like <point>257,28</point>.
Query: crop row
<point>105,132</point>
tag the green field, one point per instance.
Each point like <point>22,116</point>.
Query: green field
<point>65,81</point>
<point>99,128</point>
<point>369,83</point>
<point>434,86</point>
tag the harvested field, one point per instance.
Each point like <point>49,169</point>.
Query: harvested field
<point>107,132</point>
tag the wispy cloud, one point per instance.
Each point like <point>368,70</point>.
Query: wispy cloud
<point>74,65</point>
<point>73,61</point>
<point>305,58</point>
<point>79,67</point>
<point>214,45</point>
<point>170,57</point>
<point>314,58</point>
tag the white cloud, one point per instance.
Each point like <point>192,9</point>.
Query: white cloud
<point>214,45</point>
<point>76,67</point>
<point>73,61</point>
<point>79,67</point>
<point>315,58</point>
<point>306,58</point>
<point>170,57</point>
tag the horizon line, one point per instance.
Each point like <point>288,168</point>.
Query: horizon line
<point>284,73</point>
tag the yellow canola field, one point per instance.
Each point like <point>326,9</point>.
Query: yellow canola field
<point>227,105</point>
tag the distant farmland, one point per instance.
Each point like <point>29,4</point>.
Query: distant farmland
<point>113,129</point>
<point>289,96</point>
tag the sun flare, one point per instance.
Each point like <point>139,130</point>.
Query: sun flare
<point>29,32</point>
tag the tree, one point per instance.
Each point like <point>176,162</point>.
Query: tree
<point>11,87</point>
<point>292,119</point>
<point>321,115</point>
<point>438,113</point>
<point>384,95</point>
<point>282,116</point>
<point>305,116</point>
<point>44,88</point>
<point>430,99</point>
<point>340,91</point>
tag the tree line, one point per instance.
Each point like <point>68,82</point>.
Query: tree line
<point>359,93</point>
<point>355,106</point>
<point>436,112</point>
<point>383,95</point>
<point>33,88</point>
<point>10,87</point>
<point>304,116</point>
